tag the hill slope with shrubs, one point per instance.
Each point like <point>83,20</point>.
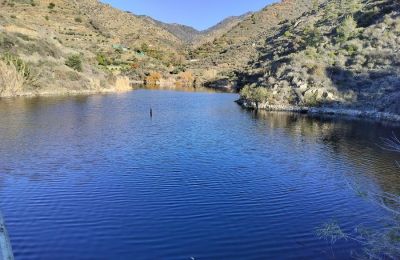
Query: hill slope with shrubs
<point>340,55</point>
<point>62,46</point>
<point>215,61</point>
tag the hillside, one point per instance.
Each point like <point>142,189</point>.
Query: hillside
<point>192,37</point>
<point>60,46</point>
<point>342,56</point>
<point>215,62</point>
<point>220,29</point>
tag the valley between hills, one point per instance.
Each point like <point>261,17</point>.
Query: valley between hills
<point>338,56</point>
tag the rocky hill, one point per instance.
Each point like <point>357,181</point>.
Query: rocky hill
<point>340,57</point>
<point>214,62</point>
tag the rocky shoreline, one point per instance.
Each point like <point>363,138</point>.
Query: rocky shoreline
<point>337,111</point>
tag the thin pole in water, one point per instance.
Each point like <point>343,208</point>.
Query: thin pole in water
<point>151,112</point>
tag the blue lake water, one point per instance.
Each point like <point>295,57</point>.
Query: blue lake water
<point>96,178</point>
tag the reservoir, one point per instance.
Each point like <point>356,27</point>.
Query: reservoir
<point>95,177</point>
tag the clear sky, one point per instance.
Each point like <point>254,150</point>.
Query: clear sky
<point>200,14</point>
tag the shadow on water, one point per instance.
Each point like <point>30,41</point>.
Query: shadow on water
<point>360,141</point>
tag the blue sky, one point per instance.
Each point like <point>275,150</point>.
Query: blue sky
<point>200,14</point>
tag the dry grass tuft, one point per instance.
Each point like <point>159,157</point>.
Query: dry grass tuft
<point>122,84</point>
<point>11,81</point>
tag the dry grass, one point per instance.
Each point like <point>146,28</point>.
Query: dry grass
<point>122,84</point>
<point>186,79</point>
<point>153,79</point>
<point>11,81</point>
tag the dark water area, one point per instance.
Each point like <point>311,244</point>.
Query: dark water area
<point>96,178</point>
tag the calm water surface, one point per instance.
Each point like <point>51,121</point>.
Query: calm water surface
<point>96,178</point>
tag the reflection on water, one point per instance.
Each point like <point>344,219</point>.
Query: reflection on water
<point>95,177</point>
<point>359,141</point>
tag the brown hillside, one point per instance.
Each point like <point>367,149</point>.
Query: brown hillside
<point>216,60</point>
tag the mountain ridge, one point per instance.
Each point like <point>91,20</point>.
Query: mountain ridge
<point>190,34</point>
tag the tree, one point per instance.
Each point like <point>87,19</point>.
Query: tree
<point>74,62</point>
<point>51,6</point>
<point>347,29</point>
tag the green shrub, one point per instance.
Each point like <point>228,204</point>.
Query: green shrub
<point>144,47</point>
<point>351,49</point>
<point>20,65</point>
<point>78,19</point>
<point>253,19</point>
<point>312,101</point>
<point>312,36</point>
<point>315,5</point>
<point>331,12</point>
<point>347,29</point>
<point>288,34</point>
<point>51,6</point>
<point>102,60</point>
<point>255,94</point>
<point>74,62</point>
